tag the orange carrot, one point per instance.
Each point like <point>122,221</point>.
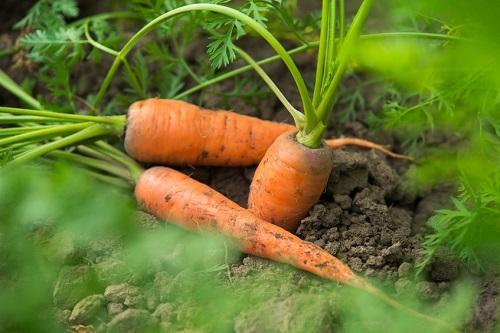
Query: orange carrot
<point>173,132</point>
<point>177,198</point>
<point>289,181</point>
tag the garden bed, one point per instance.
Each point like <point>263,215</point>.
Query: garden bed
<point>150,276</point>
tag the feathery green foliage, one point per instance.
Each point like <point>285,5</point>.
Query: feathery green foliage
<point>471,228</point>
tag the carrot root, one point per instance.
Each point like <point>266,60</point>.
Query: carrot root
<point>341,142</point>
<point>172,132</point>
<point>177,198</point>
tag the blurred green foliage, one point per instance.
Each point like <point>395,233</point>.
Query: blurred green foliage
<point>39,209</point>
<point>448,111</point>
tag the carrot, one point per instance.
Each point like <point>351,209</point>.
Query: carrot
<point>173,132</point>
<point>291,177</point>
<point>288,181</point>
<point>177,198</point>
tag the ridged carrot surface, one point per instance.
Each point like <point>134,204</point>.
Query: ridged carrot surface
<point>177,198</point>
<point>172,132</point>
<point>289,181</point>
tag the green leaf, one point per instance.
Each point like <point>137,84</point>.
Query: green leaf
<point>48,14</point>
<point>222,51</point>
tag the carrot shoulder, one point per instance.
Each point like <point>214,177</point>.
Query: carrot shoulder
<point>177,198</point>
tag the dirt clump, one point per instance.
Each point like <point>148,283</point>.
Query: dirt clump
<point>360,219</point>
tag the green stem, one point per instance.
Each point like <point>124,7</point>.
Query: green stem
<point>16,147</point>
<point>341,21</point>
<point>45,133</point>
<point>320,64</point>
<point>91,152</point>
<point>94,163</point>
<point>115,120</point>
<point>95,43</point>
<point>135,169</point>
<point>115,182</point>
<point>425,35</point>
<point>88,133</point>
<point>135,83</point>
<point>330,46</point>
<point>19,130</point>
<point>28,119</point>
<point>343,59</point>
<point>310,139</point>
<point>240,70</point>
<point>297,116</point>
<point>105,16</point>
<point>263,32</point>
<point>15,89</point>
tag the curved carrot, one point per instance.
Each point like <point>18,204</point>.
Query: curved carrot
<point>289,181</point>
<point>174,132</point>
<point>177,198</point>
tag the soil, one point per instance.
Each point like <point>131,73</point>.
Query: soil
<point>365,217</point>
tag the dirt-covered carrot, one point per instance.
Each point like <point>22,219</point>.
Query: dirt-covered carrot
<point>173,132</point>
<point>177,198</point>
<point>284,189</point>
